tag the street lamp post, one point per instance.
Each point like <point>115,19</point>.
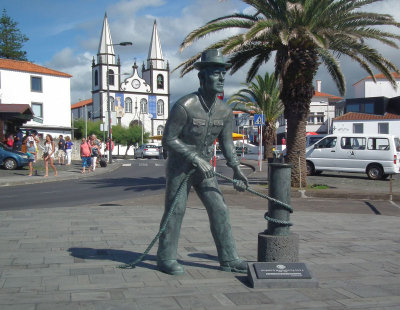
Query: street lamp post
<point>108,101</point>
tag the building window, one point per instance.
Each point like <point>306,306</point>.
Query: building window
<point>128,105</point>
<point>160,107</point>
<point>320,118</point>
<point>160,81</point>
<point>369,108</point>
<point>355,107</point>
<point>96,78</point>
<point>143,106</point>
<point>36,84</point>
<point>37,109</point>
<point>358,128</point>
<point>310,119</point>
<point>383,128</point>
<point>111,100</point>
<point>110,77</point>
<point>160,130</point>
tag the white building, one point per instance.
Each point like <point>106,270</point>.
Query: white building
<point>142,99</point>
<point>353,122</point>
<point>46,91</point>
<point>382,88</point>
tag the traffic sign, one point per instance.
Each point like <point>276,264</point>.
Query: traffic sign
<point>259,119</point>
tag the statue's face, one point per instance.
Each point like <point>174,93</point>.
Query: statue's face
<point>213,79</point>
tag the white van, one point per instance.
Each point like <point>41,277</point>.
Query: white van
<point>376,155</point>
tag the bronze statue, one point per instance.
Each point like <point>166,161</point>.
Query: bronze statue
<point>195,121</point>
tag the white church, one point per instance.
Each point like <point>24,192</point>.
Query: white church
<point>142,99</point>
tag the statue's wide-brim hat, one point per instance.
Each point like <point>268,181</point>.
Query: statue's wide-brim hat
<point>211,57</point>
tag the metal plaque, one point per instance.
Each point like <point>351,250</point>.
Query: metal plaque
<point>281,271</point>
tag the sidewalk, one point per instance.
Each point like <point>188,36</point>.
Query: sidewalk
<point>67,258</point>
<point>20,176</point>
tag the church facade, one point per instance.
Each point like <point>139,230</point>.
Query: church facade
<point>141,99</point>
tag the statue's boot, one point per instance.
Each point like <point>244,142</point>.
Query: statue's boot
<point>170,266</point>
<point>237,265</point>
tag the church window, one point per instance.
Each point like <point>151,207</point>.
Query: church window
<point>160,107</point>
<point>160,81</point>
<point>128,105</point>
<point>96,78</point>
<point>111,99</point>
<point>110,77</point>
<point>160,130</point>
<point>143,106</point>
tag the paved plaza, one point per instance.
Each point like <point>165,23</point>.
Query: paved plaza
<point>67,258</point>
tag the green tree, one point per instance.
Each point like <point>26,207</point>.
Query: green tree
<point>128,136</point>
<point>11,39</point>
<point>261,96</point>
<point>302,34</point>
<point>93,127</point>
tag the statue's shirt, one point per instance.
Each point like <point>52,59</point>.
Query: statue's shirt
<point>192,128</point>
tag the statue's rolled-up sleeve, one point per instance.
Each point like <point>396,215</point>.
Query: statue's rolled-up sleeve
<point>226,143</point>
<point>173,129</point>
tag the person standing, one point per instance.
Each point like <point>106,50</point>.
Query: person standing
<point>85,155</point>
<point>49,149</point>
<point>68,149</point>
<point>31,151</point>
<point>195,121</point>
<point>108,147</point>
<point>95,148</point>
<point>61,150</point>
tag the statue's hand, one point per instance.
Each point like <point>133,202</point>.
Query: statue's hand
<point>203,166</point>
<point>241,183</point>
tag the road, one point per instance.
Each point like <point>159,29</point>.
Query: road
<point>143,182</point>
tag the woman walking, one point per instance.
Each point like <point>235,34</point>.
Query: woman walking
<point>85,155</point>
<point>68,149</point>
<point>48,156</point>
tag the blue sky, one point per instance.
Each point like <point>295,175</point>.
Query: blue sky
<point>64,35</point>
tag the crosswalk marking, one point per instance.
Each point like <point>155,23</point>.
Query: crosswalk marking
<point>126,165</point>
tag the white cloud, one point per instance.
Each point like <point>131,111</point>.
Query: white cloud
<point>128,23</point>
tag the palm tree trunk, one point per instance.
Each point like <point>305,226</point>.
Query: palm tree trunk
<point>296,145</point>
<point>268,141</point>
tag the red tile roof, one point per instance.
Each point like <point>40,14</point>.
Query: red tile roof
<point>25,66</point>
<point>321,94</point>
<point>353,116</point>
<point>82,103</point>
<point>379,76</point>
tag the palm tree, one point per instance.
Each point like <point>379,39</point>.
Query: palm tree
<point>261,96</point>
<point>303,33</point>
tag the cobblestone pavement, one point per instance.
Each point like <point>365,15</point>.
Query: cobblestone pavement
<point>67,258</point>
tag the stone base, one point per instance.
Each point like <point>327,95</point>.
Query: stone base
<point>278,248</point>
<point>255,282</point>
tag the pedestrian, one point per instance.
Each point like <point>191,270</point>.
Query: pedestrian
<point>85,155</point>
<point>18,141</point>
<point>68,149</point>
<point>195,121</point>
<point>108,147</point>
<point>10,140</point>
<point>24,146</point>
<point>61,150</point>
<point>32,136</point>
<point>31,151</point>
<point>95,150</point>
<point>48,156</point>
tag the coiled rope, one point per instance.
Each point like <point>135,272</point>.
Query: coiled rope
<point>183,185</point>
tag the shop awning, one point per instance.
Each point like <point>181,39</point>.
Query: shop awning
<point>16,112</point>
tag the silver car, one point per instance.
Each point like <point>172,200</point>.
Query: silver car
<point>147,151</point>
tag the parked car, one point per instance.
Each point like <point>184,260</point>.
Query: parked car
<point>147,151</point>
<point>376,155</point>
<point>11,159</point>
